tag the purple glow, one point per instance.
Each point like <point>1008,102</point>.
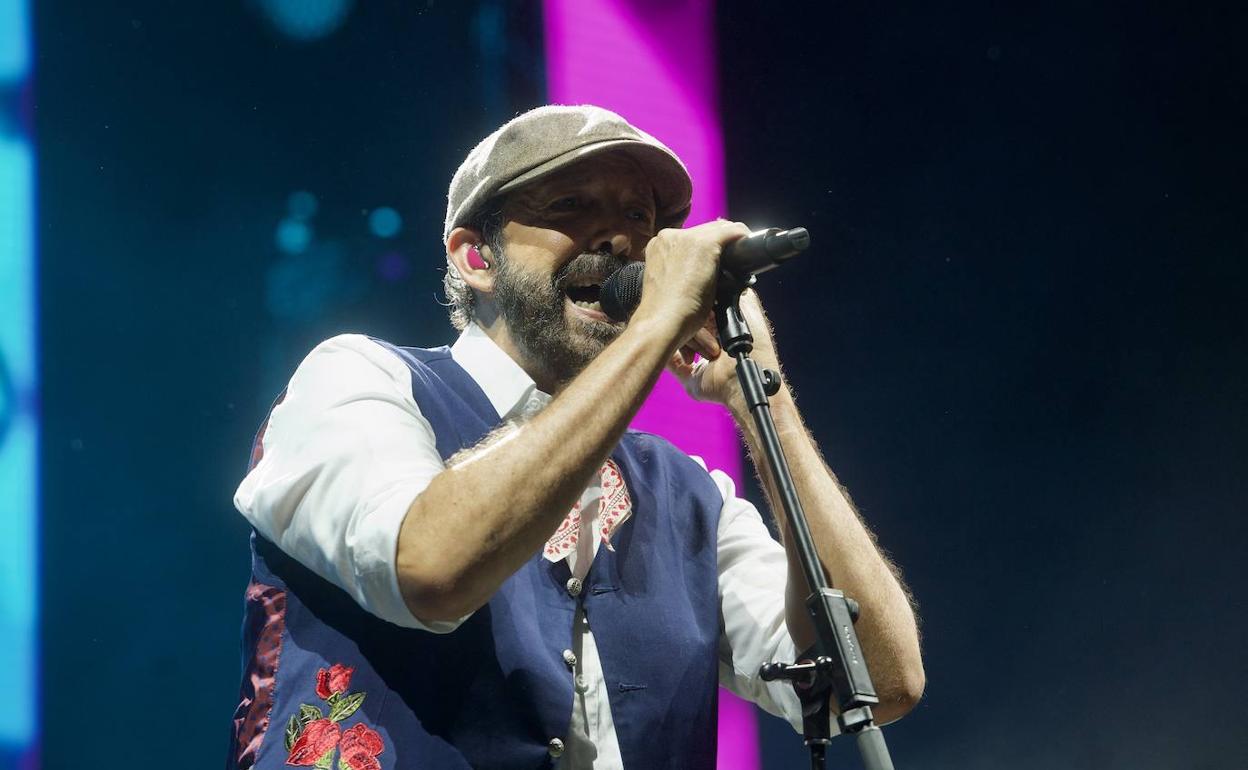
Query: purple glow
<point>653,61</point>
<point>393,266</point>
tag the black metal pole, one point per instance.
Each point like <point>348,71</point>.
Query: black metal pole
<point>834,666</point>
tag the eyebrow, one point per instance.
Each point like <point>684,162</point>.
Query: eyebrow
<point>645,193</point>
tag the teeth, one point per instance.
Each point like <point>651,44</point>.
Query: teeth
<point>588,305</point>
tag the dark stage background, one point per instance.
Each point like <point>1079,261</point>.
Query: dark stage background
<point>1020,334</point>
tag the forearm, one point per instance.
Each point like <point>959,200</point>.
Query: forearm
<point>483,517</point>
<point>852,561</point>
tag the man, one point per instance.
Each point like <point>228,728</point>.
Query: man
<point>462,559</point>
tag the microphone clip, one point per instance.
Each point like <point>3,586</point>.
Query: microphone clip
<point>734,332</point>
<point>757,383</point>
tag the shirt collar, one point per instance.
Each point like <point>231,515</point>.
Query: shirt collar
<point>510,390</point>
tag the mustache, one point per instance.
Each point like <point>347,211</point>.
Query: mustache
<point>593,265</point>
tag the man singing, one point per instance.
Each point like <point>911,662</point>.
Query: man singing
<point>462,558</point>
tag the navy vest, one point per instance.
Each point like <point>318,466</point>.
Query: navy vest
<point>328,684</point>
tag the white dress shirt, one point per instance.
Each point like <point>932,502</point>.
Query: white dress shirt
<point>348,450</point>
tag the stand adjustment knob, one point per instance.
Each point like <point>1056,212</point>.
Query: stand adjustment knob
<point>771,382</point>
<point>771,671</point>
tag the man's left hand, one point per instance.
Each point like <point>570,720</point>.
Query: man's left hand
<point>713,377</point>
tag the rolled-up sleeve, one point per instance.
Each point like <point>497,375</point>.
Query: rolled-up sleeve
<point>343,456</point>
<point>753,571</point>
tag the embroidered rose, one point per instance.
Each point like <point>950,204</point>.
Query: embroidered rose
<point>335,679</point>
<point>318,738</point>
<point>312,735</point>
<point>360,746</point>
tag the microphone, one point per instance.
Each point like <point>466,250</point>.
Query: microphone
<point>756,253</point>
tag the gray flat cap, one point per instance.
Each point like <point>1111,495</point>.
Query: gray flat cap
<point>546,139</point>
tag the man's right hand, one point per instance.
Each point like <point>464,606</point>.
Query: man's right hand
<point>682,267</point>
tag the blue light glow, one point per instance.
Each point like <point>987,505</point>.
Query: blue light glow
<point>385,222</point>
<point>306,19</point>
<point>302,205</point>
<point>14,46</point>
<point>293,236</point>
<point>19,425</point>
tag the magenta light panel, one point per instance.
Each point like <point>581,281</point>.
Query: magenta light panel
<point>654,63</point>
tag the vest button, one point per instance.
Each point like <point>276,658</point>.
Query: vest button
<point>581,685</point>
<point>574,587</point>
<point>569,657</point>
<point>555,747</point>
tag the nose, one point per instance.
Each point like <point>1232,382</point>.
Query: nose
<point>613,231</point>
<point>614,240</point>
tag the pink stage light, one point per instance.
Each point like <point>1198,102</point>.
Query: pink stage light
<point>653,61</point>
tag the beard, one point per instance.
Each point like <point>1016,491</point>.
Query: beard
<point>534,308</point>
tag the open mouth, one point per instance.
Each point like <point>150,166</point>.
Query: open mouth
<point>581,281</point>
<point>585,294</point>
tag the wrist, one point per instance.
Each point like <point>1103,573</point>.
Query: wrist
<point>656,325</point>
<point>783,411</point>
<point>740,411</point>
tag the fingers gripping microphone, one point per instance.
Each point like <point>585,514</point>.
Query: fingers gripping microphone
<point>755,253</point>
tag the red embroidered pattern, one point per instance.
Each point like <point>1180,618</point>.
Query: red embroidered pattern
<point>360,747</point>
<point>312,736</point>
<point>333,680</point>
<point>265,621</point>
<point>318,738</point>
<point>614,508</point>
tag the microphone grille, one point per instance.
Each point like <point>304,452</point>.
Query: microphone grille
<point>622,291</point>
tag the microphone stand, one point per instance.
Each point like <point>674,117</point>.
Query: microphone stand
<point>834,665</point>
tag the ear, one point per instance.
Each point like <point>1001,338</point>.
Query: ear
<point>479,277</point>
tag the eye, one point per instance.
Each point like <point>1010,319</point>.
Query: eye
<point>642,216</point>
<point>566,203</point>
